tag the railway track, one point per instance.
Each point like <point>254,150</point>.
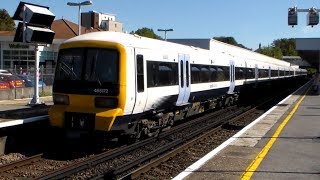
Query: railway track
<point>139,160</point>
<point>112,159</point>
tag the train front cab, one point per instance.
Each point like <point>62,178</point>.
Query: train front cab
<point>87,99</point>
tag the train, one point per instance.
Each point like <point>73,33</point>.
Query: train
<point>126,85</point>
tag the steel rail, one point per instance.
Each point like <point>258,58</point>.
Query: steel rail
<point>154,163</point>
<point>20,163</point>
<point>159,152</point>
<point>98,159</point>
<point>95,160</point>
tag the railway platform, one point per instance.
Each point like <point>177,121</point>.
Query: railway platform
<point>284,143</point>
<point>17,104</point>
<point>18,112</point>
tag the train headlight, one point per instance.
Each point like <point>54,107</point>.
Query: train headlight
<point>103,102</point>
<point>60,99</point>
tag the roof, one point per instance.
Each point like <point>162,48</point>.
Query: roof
<point>63,29</point>
<point>7,33</point>
<point>291,57</point>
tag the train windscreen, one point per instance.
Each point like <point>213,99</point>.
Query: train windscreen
<point>80,68</point>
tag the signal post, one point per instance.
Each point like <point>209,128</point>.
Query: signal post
<point>34,29</point>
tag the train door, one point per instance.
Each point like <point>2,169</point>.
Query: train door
<point>140,74</point>
<point>232,77</point>
<point>184,79</point>
<point>269,74</point>
<point>256,72</point>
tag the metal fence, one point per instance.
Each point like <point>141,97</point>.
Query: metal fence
<point>46,75</point>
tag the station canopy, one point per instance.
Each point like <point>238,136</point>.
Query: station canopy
<point>309,50</point>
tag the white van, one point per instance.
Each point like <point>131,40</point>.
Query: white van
<point>4,72</point>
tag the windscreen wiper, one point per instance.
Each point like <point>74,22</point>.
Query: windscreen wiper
<point>68,70</point>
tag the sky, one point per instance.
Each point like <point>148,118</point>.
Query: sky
<point>250,22</point>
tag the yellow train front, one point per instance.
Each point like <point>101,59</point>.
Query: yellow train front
<point>89,89</point>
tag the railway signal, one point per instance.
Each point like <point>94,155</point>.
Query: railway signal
<point>312,16</point>
<point>35,29</point>
<point>292,16</point>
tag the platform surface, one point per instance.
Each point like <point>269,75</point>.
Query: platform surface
<point>6,105</point>
<point>18,112</point>
<point>295,153</point>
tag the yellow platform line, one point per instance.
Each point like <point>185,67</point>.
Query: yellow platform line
<point>257,161</point>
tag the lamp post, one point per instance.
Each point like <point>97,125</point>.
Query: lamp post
<point>165,32</point>
<point>84,3</point>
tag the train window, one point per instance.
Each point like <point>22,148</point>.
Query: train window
<point>250,73</point>
<point>181,73</point>
<point>205,74</point>
<point>161,74</point>
<point>226,71</point>
<point>140,74</point>
<point>263,73</point>
<point>220,74</point>
<point>260,73</point>
<point>152,74</point>
<point>266,73</point>
<point>239,73</point>
<point>213,73</point>
<point>97,69</point>
<point>70,64</point>
<point>167,74</point>
<point>195,74</point>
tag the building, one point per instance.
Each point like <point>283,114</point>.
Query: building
<point>98,20</point>
<point>296,60</point>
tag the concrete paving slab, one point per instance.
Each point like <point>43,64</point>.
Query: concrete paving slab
<point>233,160</point>
<point>295,154</point>
<point>229,164</point>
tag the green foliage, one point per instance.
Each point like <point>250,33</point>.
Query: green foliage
<point>311,71</point>
<point>287,46</point>
<point>146,32</point>
<point>279,48</point>
<point>229,40</point>
<point>274,52</point>
<point>44,93</point>
<point>6,22</point>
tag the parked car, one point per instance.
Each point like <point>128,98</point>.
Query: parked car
<point>4,72</point>
<point>12,80</point>
<point>29,81</point>
<point>4,85</point>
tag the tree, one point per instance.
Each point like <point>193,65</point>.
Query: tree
<point>229,40</point>
<point>287,46</point>
<point>274,52</point>
<point>279,48</point>
<point>146,32</point>
<point>6,22</point>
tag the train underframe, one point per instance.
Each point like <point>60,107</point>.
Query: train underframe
<point>152,123</point>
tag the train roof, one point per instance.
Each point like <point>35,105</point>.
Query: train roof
<point>128,40</point>
<point>215,47</point>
